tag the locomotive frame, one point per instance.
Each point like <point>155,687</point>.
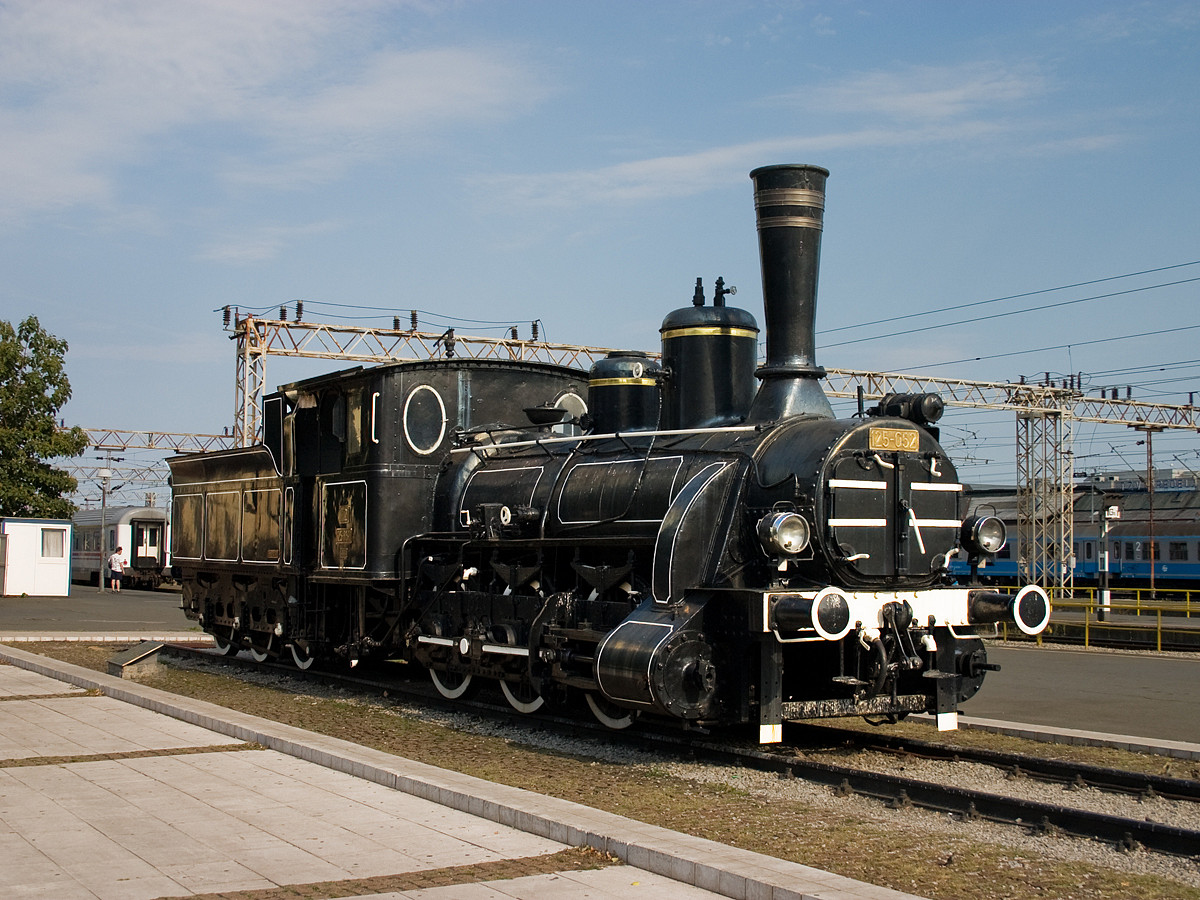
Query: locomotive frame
<point>662,539</point>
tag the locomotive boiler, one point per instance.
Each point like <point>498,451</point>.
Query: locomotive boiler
<point>693,537</point>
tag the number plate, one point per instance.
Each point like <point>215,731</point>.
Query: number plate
<point>894,439</point>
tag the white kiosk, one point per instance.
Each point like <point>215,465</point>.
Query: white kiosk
<point>35,557</point>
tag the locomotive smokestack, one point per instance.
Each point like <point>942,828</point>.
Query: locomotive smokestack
<point>789,202</point>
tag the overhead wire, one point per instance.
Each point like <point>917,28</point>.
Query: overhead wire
<point>1015,312</point>
<point>1107,340</point>
<point>1065,287</point>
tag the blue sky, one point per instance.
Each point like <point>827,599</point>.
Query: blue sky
<point>582,163</point>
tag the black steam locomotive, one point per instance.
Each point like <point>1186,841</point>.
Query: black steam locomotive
<point>660,537</point>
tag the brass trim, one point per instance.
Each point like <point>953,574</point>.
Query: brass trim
<point>789,197</point>
<point>789,222</point>
<point>711,331</point>
<point>614,382</point>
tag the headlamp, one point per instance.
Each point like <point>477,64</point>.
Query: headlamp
<point>984,535</point>
<point>783,532</point>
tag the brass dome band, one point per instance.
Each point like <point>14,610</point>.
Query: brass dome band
<point>789,222</point>
<point>789,197</point>
<point>623,382</point>
<point>711,331</point>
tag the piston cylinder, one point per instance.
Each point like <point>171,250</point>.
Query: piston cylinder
<point>659,660</point>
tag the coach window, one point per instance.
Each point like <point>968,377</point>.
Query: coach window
<point>288,462</point>
<point>1177,551</point>
<point>354,426</point>
<point>1116,549</point>
<point>1155,550</point>
<point>332,431</point>
<point>272,430</point>
<point>1133,550</point>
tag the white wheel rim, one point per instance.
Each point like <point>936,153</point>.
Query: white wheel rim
<point>224,647</point>
<point>450,693</point>
<point>302,662</point>
<point>616,724</point>
<point>521,706</point>
<point>259,655</point>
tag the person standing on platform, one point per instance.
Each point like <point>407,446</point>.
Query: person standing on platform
<point>116,568</point>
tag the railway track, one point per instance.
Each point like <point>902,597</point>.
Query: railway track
<point>1143,785</point>
<point>1126,832</point>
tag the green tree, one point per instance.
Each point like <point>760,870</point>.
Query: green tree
<point>33,387</point>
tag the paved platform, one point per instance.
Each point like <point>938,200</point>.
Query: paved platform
<point>135,793</point>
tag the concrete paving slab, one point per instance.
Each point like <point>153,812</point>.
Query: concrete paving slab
<point>79,726</point>
<point>612,883</point>
<point>309,808</point>
<point>17,682</point>
<point>233,839</point>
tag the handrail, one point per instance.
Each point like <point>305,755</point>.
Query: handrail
<point>1120,614</point>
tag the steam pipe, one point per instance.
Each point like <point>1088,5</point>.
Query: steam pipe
<point>789,201</point>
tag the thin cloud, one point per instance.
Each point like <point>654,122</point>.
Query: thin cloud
<point>396,101</point>
<point>975,104</point>
<point>926,93</point>
<point>690,174</point>
<point>265,242</point>
<point>87,89</point>
<point>1137,21</point>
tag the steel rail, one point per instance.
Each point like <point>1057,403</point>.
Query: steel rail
<point>1070,774</point>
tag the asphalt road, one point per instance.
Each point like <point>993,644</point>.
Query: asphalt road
<point>87,609</point>
<point>1146,695</point>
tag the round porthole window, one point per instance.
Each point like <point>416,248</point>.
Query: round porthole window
<point>424,419</point>
<point>573,404</point>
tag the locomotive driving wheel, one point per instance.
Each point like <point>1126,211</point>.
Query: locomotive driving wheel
<point>608,713</point>
<point>522,696</point>
<point>301,657</point>
<point>260,653</point>
<point>452,685</point>
<point>225,646</point>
